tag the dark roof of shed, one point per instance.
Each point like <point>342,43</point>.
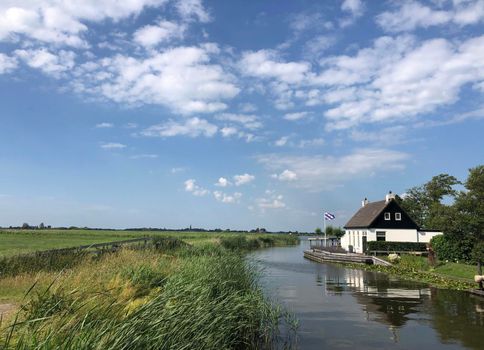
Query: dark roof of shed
<point>365,216</point>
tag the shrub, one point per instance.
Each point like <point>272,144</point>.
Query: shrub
<point>397,246</point>
<point>168,243</point>
<point>453,248</point>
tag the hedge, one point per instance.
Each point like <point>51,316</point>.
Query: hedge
<point>397,246</point>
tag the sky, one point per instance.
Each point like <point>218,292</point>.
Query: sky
<point>232,114</point>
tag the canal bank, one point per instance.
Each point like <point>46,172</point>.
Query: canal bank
<point>339,307</point>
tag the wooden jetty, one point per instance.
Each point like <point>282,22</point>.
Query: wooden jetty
<point>319,255</point>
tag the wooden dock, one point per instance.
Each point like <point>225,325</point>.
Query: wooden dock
<point>324,256</point>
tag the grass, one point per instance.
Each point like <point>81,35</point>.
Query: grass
<point>14,242</point>
<point>170,296</point>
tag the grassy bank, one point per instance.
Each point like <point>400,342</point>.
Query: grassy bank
<point>171,296</point>
<point>14,242</point>
<point>444,275</point>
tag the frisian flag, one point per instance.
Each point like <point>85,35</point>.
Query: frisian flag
<point>328,216</point>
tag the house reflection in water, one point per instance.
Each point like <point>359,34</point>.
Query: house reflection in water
<point>383,299</point>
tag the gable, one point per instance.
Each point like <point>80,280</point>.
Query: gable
<point>391,210</point>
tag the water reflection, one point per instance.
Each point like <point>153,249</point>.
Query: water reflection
<point>346,308</point>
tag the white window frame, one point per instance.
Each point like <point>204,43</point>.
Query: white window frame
<point>388,216</point>
<point>398,216</point>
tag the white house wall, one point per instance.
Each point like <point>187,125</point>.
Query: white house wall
<point>426,236</point>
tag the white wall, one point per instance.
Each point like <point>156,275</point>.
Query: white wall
<point>353,237</point>
<point>426,236</point>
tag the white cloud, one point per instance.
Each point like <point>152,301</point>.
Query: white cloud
<point>282,141</point>
<point>286,175</point>
<point>193,8</point>
<point>182,79</point>
<point>398,78</point>
<point>317,173</point>
<point>248,121</point>
<point>295,116</point>
<point>112,146</point>
<point>243,179</point>
<point>152,35</point>
<point>62,22</point>
<point>275,202</point>
<point>354,8</point>
<point>104,125</point>
<point>223,182</point>
<point>177,170</point>
<point>7,63</point>
<point>144,156</point>
<point>192,187</point>
<point>53,64</point>
<point>247,107</point>
<point>267,64</point>
<point>311,143</point>
<point>412,14</point>
<point>226,198</point>
<point>228,131</point>
<point>192,127</point>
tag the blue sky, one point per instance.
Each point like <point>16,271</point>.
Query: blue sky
<point>232,114</point>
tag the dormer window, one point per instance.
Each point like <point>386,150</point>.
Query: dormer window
<point>398,216</point>
<point>387,216</point>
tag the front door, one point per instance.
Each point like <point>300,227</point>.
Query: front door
<point>363,240</point>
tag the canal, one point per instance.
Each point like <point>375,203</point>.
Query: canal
<point>342,308</point>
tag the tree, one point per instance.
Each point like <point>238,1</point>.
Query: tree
<point>329,231</point>
<point>41,226</point>
<point>471,207</point>
<point>338,232</point>
<point>424,203</point>
<point>25,226</point>
<point>318,231</point>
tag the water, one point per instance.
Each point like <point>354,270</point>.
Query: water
<point>343,308</point>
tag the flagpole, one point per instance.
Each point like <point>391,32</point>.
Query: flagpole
<point>324,228</point>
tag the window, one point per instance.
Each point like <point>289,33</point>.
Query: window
<point>398,216</point>
<point>380,235</point>
<point>387,216</point>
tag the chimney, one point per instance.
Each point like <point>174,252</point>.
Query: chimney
<point>364,202</point>
<point>389,197</point>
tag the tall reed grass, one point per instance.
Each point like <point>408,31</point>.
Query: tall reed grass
<point>204,297</point>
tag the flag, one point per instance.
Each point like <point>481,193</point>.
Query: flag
<point>328,216</point>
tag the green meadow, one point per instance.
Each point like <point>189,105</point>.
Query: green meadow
<point>183,290</point>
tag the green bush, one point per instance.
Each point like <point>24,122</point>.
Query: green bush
<point>397,246</point>
<point>168,243</point>
<point>453,248</point>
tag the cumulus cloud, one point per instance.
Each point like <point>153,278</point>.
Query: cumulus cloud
<point>273,202</point>
<point>226,198</point>
<point>295,116</point>
<point>152,35</point>
<point>192,187</point>
<point>104,125</point>
<point>181,78</point>
<point>282,141</point>
<point>62,22</point>
<point>354,8</point>
<point>248,121</point>
<point>398,78</point>
<point>223,182</point>
<point>286,175</point>
<point>192,127</point>
<point>243,179</point>
<point>266,64</point>
<point>190,9</point>
<point>7,63</point>
<point>317,173</point>
<point>412,14</point>
<point>49,63</point>
<point>229,131</point>
<point>112,146</point>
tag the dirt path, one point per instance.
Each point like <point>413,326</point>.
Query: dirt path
<point>5,309</point>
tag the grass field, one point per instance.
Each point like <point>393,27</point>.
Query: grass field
<point>168,295</point>
<point>14,242</point>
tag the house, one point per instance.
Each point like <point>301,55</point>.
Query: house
<point>382,221</point>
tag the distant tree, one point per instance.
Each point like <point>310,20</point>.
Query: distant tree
<point>25,226</point>
<point>318,231</point>
<point>329,231</point>
<point>41,226</point>
<point>338,232</point>
<point>424,203</point>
